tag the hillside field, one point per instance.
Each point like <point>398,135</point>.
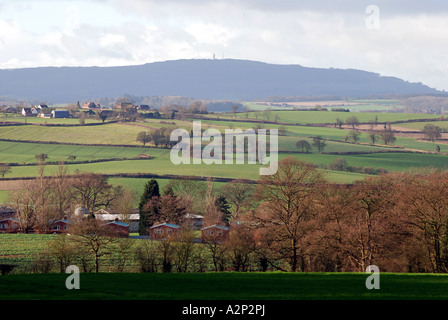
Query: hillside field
<point>314,117</point>
<point>96,143</point>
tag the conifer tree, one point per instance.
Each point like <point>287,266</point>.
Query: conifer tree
<point>150,193</point>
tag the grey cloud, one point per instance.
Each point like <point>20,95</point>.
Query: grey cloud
<point>325,6</point>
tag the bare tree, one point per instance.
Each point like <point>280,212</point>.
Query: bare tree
<point>240,247</point>
<point>425,202</point>
<point>125,204</point>
<point>93,192</point>
<point>369,221</point>
<point>352,121</point>
<point>61,191</point>
<point>23,201</point>
<point>319,143</point>
<point>143,137</point>
<point>287,204</point>
<point>388,136</point>
<point>303,146</point>
<point>90,234</point>
<point>146,256</point>
<point>218,252</point>
<point>239,195</point>
<point>432,132</point>
<point>184,249</point>
<point>62,249</point>
<point>4,169</point>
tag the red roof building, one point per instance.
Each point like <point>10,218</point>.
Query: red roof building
<point>215,233</point>
<point>118,228</point>
<point>163,231</point>
<point>9,225</point>
<point>60,226</point>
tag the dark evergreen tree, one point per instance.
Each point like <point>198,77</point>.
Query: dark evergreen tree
<point>147,206</point>
<point>222,204</point>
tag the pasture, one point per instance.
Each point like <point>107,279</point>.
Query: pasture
<point>420,125</point>
<point>224,286</point>
<point>314,117</point>
<point>114,133</point>
<point>360,154</point>
<point>125,133</point>
<point>23,152</point>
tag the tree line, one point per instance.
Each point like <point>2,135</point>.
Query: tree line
<point>42,201</point>
<point>294,220</point>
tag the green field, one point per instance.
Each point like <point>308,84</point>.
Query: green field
<point>125,133</point>
<point>314,117</point>
<point>352,105</point>
<point>113,133</point>
<point>222,286</point>
<point>38,120</point>
<point>162,165</point>
<point>14,152</point>
<point>105,134</point>
<point>420,125</point>
<point>18,249</point>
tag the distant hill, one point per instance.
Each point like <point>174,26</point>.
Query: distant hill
<point>199,79</point>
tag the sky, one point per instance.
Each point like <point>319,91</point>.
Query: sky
<point>405,39</point>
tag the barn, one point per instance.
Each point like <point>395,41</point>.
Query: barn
<point>58,114</point>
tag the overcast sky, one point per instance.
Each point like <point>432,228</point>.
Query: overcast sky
<point>406,39</point>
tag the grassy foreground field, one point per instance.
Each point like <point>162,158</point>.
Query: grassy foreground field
<point>222,286</point>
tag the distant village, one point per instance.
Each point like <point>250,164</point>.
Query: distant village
<point>44,111</point>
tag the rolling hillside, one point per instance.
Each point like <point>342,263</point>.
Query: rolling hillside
<point>198,79</point>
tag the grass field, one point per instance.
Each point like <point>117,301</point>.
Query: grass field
<point>38,120</point>
<point>388,161</point>
<point>421,125</point>
<point>313,117</point>
<point>116,133</point>
<point>109,134</point>
<point>18,249</point>
<point>222,286</point>
<point>14,152</point>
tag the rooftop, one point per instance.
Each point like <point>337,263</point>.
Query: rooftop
<point>170,225</point>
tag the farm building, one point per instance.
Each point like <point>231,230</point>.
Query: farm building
<point>90,105</point>
<point>57,114</point>
<point>215,233</point>
<point>119,228</point>
<point>9,225</point>
<point>7,212</point>
<point>163,231</point>
<point>193,220</point>
<point>110,215</point>
<point>60,226</point>
<point>29,112</point>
